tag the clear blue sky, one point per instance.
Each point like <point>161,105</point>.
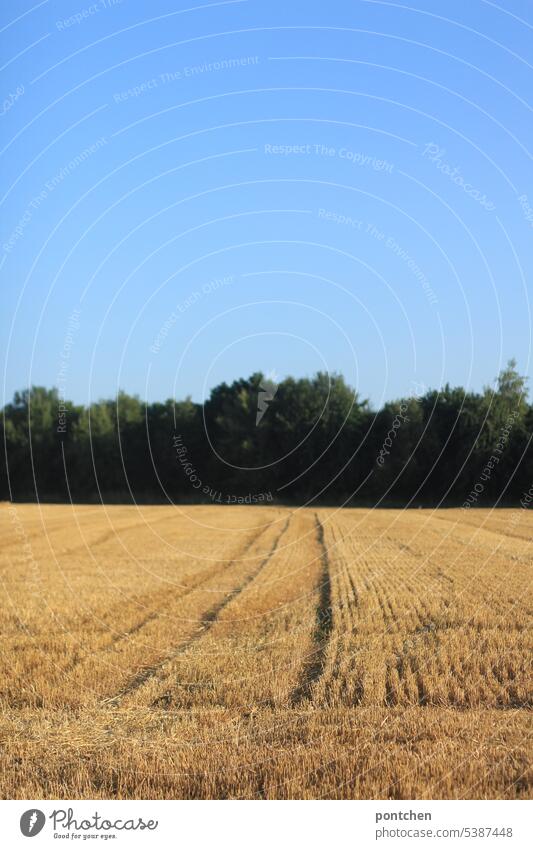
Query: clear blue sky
<point>357,176</point>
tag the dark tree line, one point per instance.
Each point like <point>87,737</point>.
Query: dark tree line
<point>253,441</point>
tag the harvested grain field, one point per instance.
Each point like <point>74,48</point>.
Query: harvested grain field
<point>264,652</point>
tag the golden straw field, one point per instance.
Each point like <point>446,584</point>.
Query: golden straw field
<point>265,652</point>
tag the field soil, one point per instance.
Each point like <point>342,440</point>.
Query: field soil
<point>265,652</point>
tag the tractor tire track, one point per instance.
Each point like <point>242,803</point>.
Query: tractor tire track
<point>207,623</point>
<point>323,626</point>
<point>155,614</point>
<point>160,611</point>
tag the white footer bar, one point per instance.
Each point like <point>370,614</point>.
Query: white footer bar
<point>268,825</point>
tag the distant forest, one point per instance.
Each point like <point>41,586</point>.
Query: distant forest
<point>255,441</point>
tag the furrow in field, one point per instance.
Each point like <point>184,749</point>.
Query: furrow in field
<point>254,654</point>
<point>98,674</point>
<point>428,639</point>
<point>207,622</point>
<point>166,598</point>
<point>323,627</point>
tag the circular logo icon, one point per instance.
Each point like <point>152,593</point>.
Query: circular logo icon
<point>32,822</point>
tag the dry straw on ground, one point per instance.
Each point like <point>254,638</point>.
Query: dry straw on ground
<point>264,653</point>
